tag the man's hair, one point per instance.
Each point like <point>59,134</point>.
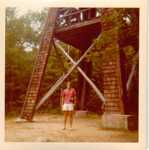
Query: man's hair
<point>68,80</point>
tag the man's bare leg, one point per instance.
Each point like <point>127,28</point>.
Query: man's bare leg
<point>65,119</point>
<point>71,118</point>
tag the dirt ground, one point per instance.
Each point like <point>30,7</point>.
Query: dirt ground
<point>48,128</point>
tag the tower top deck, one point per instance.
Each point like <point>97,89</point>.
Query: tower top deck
<point>78,26</point>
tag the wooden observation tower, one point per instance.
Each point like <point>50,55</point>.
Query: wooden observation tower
<point>77,27</point>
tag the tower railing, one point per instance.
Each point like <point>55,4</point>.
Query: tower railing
<point>71,16</point>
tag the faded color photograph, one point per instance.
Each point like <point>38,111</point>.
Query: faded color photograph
<point>71,74</point>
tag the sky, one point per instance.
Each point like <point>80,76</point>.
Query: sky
<point>23,10</point>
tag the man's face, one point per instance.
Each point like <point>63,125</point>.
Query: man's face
<point>68,85</point>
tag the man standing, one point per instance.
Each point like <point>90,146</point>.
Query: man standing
<point>68,101</point>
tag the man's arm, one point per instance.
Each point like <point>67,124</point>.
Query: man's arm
<point>75,100</point>
<point>61,99</point>
<point>74,97</point>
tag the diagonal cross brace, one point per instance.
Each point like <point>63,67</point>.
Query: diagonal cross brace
<point>63,77</point>
<point>100,95</point>
<point>132,72</point>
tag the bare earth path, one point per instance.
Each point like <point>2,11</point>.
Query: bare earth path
<point>48,128</point>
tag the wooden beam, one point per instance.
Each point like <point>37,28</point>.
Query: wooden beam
<point>131,73</point>
<point>78,25</point>
<point>83,94</point>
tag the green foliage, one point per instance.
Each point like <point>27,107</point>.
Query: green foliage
<point>23,29</point>
<point>18,69</point>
